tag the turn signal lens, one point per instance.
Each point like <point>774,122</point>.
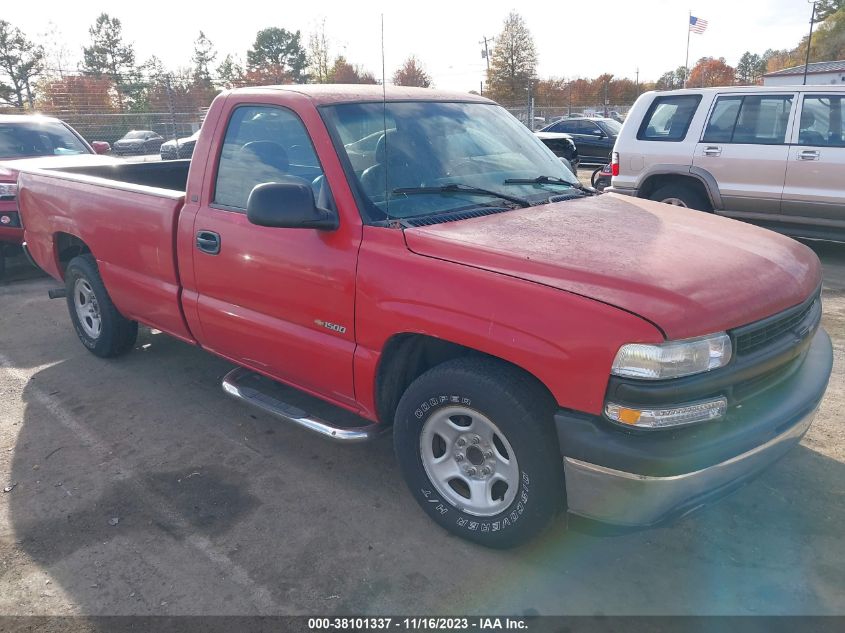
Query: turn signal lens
<point>667,417</point>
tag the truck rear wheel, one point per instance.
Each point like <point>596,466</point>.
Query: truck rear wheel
<point>477,448</point>
<point>100,327</point>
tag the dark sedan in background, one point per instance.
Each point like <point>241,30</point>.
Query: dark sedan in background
<point>179,148</point>
<point>594,137</point>
<point>138,142</point>
<point>562,145</point>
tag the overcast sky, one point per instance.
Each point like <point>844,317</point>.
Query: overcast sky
<point>573,39</point>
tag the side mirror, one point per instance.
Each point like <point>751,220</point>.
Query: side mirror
<point>567,164</point>
<point>288,205</point>
<point>101,147</point>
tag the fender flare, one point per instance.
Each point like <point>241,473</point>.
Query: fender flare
<point>689,171</point>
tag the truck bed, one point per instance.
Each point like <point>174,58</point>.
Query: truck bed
<point>171,174</point>
<point>127,214</point>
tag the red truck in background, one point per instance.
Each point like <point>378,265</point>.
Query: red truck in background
<point>24,136</point>
<point>421,259</point>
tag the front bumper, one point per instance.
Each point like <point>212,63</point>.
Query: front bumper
<point>639,479</point>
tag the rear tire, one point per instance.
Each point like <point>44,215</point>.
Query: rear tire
<point>477,447</point>
<point>681,195</point>
<point>100,327</point>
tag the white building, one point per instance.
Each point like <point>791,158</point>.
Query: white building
<point>818,73</point>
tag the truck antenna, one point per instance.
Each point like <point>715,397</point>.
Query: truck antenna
<point>384,122</point>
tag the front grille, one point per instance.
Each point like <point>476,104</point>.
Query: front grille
<point>797,321</point>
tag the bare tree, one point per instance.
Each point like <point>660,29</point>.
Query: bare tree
<point>318,55</point>
<point>411,73</point>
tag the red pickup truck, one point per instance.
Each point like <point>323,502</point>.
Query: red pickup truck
<point>421,259</point>
<point>24,136</point>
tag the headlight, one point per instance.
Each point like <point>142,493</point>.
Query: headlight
<point>673,359</point>
<point>8,190</point>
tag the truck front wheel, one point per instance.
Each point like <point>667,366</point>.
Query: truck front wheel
<point>100,327</point>
<point>476,446</point>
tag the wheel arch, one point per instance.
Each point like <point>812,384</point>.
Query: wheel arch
<point>407,355</point>
<point>66,246</point>
<point>697,177</point>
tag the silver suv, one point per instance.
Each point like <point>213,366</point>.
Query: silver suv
<point>773,155</point>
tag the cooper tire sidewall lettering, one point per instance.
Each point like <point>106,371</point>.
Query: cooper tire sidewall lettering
<point>506,519</point>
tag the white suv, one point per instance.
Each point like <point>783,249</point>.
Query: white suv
<point>774,155</point>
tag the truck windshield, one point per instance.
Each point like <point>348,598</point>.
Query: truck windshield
<point>21,139</point>
<point>399,148</point>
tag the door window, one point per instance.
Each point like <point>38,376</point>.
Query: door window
<point>266,144</point>
<point>588,127</point>
<point>752,119</point>
<point>821,121</point>
<point>668,118</point>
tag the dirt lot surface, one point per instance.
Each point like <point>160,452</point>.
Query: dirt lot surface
<point>139,488</point>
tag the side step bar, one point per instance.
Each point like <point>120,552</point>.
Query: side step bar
<point>233,385</point>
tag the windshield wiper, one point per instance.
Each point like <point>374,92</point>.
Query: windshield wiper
<point>549,180</point>
<point>540,180</point>
<point>459,188</point>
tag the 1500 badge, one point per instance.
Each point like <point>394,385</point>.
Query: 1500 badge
<point>334,327</point>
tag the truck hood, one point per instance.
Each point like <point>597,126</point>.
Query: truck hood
<point>690,273</point>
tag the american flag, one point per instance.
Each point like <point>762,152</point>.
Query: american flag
<point>697,25</point>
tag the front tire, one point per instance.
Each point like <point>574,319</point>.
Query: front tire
<point>477,448</point>
<point>101,328</point>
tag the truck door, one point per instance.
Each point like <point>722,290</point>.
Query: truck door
<point>744,147</point>
<point>815,187</point>
<point>278,300</point>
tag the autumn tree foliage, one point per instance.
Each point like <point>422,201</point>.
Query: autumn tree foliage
<point>709,72</point>
<point>513,62</point>
<point>411,73</point>
<point>342,72</point>
<point>76,93</point>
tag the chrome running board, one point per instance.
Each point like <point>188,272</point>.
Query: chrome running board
<point>233,385</point>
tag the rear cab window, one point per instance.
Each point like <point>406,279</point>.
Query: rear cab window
<point>749,119</point>
<point>668,118</point>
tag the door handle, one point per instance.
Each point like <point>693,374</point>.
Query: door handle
<point>208,242</point>
<point>712,151</point>
<point>808,154</point>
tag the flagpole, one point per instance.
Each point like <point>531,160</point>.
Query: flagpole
<point>686,63</point>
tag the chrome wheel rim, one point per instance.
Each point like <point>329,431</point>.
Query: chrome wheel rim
<point>469,461</point>
<point>675,202</point>
<point>87,308</point>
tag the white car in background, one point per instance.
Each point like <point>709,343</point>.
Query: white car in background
<point>774,155</point>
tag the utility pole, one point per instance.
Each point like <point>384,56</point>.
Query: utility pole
<point>172,112</point>
<point>809,43</point>
<point>486,55</point>
<point>637,92</point>
<point>486,52</point>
